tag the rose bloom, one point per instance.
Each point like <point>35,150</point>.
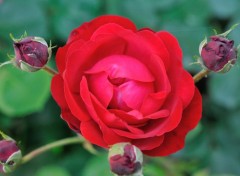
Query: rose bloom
<point>119,84</point>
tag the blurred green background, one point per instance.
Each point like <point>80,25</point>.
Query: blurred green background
<point>29,114</point>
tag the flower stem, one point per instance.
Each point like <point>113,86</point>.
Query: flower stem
<point>62,142</point>
<point>5,63</point>
<point>200,75</point>
<point>50,70</point>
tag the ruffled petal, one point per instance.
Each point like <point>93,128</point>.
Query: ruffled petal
<point>109,136</point>
<point>157,45</point>
<point>148,143</point>
<point>122,66</point>
<point>75,103</point>
<point>174,140</point>
<point>86,30</point>
<point>58,95</point>
<point>100,87</point>
<point>91,131</point>
<point>89,54</point>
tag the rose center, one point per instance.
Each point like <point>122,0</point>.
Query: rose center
<point>130,81</point>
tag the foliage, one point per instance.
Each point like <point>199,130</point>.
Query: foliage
<point>28,113</point>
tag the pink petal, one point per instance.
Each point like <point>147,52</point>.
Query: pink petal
<point>159,114</point>
<point>89,54</point>
<point>108,134</point>
<point>153,102</point>
<point>122,66</point>
<point>134,92</point>
<point>100,87</point>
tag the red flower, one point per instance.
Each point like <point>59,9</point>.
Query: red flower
<point>119,84</point>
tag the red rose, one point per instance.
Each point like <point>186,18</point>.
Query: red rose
<point>120,84</point>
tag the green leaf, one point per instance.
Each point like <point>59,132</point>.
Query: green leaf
<point>97,166</point>
<point>22,93</point>
<point>67,16</point>
<point>52,170</point>
<point>153,170</point>
<point>224,88</point>
<point>223,8</point>
<point>19,16</point>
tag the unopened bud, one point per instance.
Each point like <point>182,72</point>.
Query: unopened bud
<point>219,54</point>
<point>31,53</point>
<point>10,154</point>
<point>125,159</point>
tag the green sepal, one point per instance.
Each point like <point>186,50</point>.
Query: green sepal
<point>227,66</point>
<point>202,44</point>
<point>229,31</point>
<point>5,137</point>
<point>28,68</point>
<point>17,40</point>
<point>12,162</point>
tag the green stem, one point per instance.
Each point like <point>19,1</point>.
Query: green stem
<point>62,142</point>
<point>5,63</point>
<point>200,75</point>
<point>50,70</point>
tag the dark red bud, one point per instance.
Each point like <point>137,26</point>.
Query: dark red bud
<point>31,53</point>
<point>218,52</point>
<point>125,164</point>
<point>8,148</point>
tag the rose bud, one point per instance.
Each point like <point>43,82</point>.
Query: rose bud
<point>125,159</point>
<point>31,53</point>
<point>10,154</point>
<point>219,54</point>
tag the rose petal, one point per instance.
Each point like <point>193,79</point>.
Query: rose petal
<point>172,45</point>
<point>157,45</point>
<point>101,88</point>
<point>91,131</point>
<point>153,102</point>
<point>183,84</point>
<point>148,143</point>
<point>75,103</point>
<point>138,48</point>
<point>111,120</point>
<point>72,121</point>
<point>159,114</point>
<point>133,118</point>
<point>122,66</point>
<point>86,30</point>
<point>89,54</point>
<point>160,126</point>
<point>174,140</point>
<point>186,88</point>
<point>61,58</point>
<point>58,91</point>
<point>134,92</point>
<point>108,134</point>
<point>58,95</point>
